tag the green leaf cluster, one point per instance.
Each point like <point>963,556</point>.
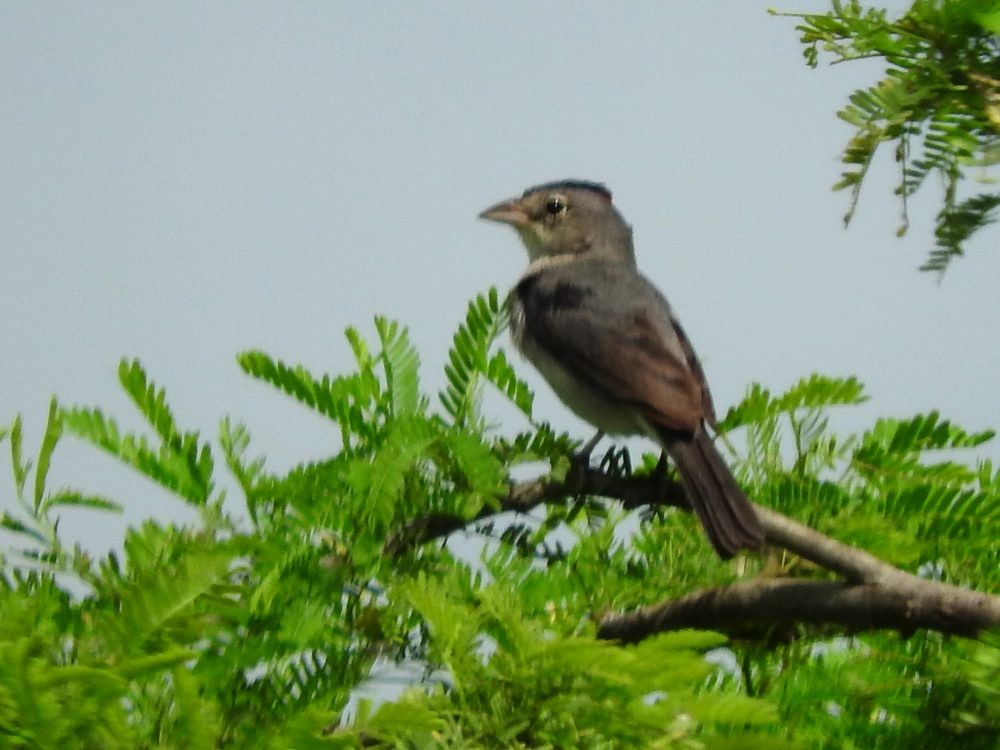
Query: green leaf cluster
<point>257,624</point>
<point>507,682</point>
<point>938,104</point>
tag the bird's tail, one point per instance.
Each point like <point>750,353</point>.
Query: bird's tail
<point>726,514</point>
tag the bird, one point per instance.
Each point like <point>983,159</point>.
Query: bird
<point>609,345</point>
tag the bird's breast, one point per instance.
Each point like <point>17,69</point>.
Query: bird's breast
<point>587,402</point>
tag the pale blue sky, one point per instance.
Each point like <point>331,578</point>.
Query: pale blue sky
<point>183,181</point>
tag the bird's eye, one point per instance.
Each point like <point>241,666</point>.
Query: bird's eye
<point>555,205</point>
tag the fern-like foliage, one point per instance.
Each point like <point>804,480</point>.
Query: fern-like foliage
<point>956,222</point>
<point>161,594</point>
<point>936,499</point>
<point>182,463</point>
<point>348,400</point>
<point>939,103</point>
<point>802,410</point>
<point>258,631</point>
<point>234,439</point>
<point>530,690</point>
<point>401,365</point>
<point>470,361</point>
<point>924,504</point>
<point>38,520</point>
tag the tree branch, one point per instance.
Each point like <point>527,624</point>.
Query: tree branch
<point>744,608</point>
<point>522,497</point>
<point>875,595</point>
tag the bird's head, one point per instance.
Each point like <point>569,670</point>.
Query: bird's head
<point>569,217</point>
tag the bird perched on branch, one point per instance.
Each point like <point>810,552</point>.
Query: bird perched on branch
<point>609,345</point>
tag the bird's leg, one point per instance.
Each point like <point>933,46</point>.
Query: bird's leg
<point>662,470</point>
<point>583,455</point>
<point>661,483</point>
<point>661,465</point>
<point>579,462</point>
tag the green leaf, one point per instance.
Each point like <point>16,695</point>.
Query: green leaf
<point>989,20</point>
<point>817,391</point>
<point>813,392</point>
<point>502,375</point>
<point>72,498</point>
<point>405,717</point>
<point>482,475</point>
<point>955,224</point>
<point>184,467</point>
<point>10,523</point>
<point>937,103</point>
<point>922,432</point>
<point>235,440</point>
<point>469,361</point>
<point>378,480</point>
<point>401,364</point>
<point>165,596</point>
<point>150,400</point>
<point>734,710</point>
<point>347,400</point>
<point>53,430</point>
<point>17,462</point>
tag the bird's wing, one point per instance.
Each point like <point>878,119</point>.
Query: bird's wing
<point>610,328</point>
<point>707,405</point>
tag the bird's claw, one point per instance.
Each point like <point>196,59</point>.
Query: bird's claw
<point>579,462</point>
<point>583,454</point>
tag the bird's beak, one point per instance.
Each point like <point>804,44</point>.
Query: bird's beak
<point>507,212</point>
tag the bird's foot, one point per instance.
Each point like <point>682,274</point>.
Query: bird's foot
<point>579,462</point>
<point>583,454</point>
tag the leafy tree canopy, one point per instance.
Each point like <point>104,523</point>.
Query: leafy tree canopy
<point>254,627</point>
<point>937,106</point>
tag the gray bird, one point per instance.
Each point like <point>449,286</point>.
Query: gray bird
<point>609,345</point>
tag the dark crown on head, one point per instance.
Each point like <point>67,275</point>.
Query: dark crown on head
<point>594,187</point>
